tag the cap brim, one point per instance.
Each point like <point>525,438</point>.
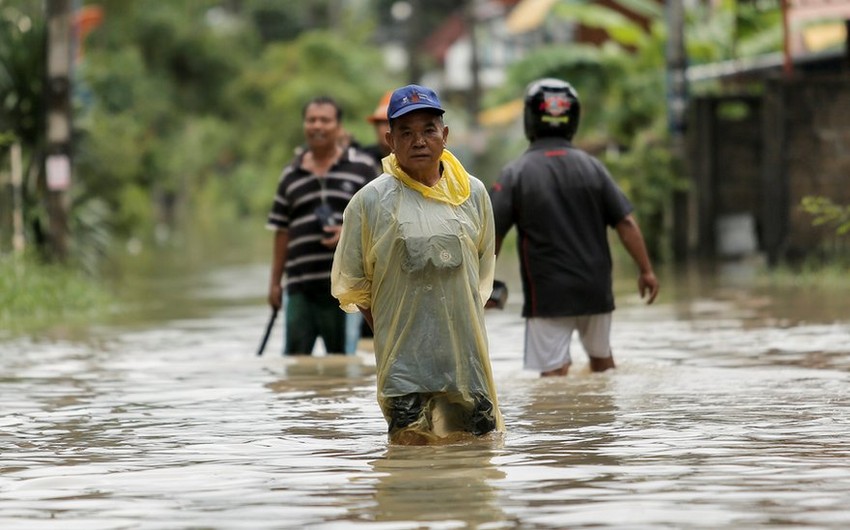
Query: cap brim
<point>417,106</point>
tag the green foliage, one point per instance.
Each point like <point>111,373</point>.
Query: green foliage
<point>812,273</point>
<point>733,29</point>
<point>622,86</point>
<point>827,212</point>
<point>22,62</point>
<point>274,89</point>
<point>22,102</point>
<point>619,27</point>
<point>6,139</point>
<point>584,66</point>
<point>153,107</point>
<point>279,21</point>
<point>179,113</point>
<point>623,95</point>
<point>648,174</point>
<point>197,103</point>
<point>91,226</point>
<point>34,295</point>
<point>621,83</point>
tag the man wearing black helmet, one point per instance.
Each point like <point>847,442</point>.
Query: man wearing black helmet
<point>562,200</point>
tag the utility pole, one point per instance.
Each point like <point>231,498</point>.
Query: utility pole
<point>474,64</point>
<point>413,40</point>
<point>17,199</point>
<point>677,103</point>
<point>847,44</point>
<point>787,64</point>
<point>476,139</point>
<point>58,162</point>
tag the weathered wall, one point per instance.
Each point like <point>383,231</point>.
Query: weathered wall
<point>726,146</point>
<point>817,128</point>
<point>762,155</point>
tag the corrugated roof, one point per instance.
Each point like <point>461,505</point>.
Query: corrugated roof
<point>754,66</point>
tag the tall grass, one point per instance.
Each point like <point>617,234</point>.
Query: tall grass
<point>822,274</point>
<point>34,295</point>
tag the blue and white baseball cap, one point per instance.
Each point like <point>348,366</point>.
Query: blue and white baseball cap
<point>413,97</point>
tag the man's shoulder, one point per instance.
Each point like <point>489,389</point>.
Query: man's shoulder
<point>478,190</point>
<point>292,167</point>
<point>372,192</point>
<point>375,151</point>
<point>476,184</point>
<point>515,167</point>
<point>380,183</point>
<point>541,152</point>
<point>360,160</point>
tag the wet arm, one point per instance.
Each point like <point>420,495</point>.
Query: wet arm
<point>281,241</point>
<point>630,235</point>
<point>367,315</point>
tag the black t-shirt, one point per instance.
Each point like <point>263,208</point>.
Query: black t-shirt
<point>376,152</point>
<point>562,201</point>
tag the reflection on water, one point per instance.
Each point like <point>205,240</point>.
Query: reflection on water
<point>446,485</point>
<point>730,408</point>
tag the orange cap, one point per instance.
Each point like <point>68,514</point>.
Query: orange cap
<point>380,113</point>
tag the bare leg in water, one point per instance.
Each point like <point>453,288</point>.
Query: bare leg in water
<point>597,364</point>
<point>600,364</point>
<point>562,371</point>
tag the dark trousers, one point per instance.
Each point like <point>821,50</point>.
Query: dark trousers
<point>309,317</point>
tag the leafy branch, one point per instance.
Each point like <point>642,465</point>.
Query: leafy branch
<point>827,212</point>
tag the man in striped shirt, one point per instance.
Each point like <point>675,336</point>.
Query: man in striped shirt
<point>307,218</point>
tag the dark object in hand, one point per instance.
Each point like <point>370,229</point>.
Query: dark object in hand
<point>325,214</point>
<point>499,296</point>
<point>268,332</point>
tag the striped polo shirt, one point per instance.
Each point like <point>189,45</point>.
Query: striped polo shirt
<point>299,193</point>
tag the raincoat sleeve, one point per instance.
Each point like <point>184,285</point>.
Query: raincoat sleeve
<point>486,243</point>
<point>351,280</point>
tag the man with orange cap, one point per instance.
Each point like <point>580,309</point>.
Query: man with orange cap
<point>381,123</point>
<point>378,151</point>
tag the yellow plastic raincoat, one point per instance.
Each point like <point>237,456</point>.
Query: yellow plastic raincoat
<point>422,259</point>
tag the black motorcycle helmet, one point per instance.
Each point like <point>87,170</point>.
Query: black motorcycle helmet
<point>552,108</point>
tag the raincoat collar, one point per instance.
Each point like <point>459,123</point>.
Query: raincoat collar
<point>453,186</point>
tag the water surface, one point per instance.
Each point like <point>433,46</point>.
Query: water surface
<point>730,408</point>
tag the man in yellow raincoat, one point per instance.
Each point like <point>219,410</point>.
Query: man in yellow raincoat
<point>416,256</point>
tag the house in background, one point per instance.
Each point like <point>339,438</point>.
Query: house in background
<point>753,154</point>
<point>776,132</point>
<point>505,31</point>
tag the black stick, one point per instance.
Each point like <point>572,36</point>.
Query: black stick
<point>268,332</point>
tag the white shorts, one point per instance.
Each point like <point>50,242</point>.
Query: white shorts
<point>547,340</point>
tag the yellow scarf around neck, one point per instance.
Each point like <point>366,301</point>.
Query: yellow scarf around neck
<point>453,186</point>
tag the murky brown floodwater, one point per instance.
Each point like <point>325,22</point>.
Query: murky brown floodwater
<point>730,408</point>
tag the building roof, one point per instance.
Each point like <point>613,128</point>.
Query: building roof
<point>764,66</point>
<point>528,15</point>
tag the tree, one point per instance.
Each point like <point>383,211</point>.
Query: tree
<point>187,104</point>
<point>826,212</point>
<point>622,88</point>
<point>22,106</point>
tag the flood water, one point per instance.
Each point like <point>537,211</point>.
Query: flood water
<point>730,408</point>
